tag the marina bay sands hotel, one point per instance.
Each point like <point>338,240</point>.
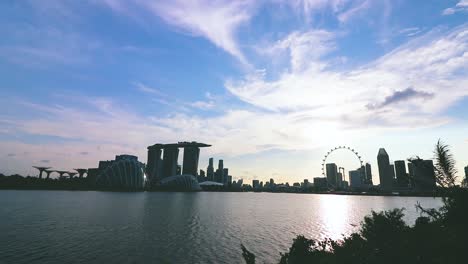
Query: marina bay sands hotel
<point>158,168</point>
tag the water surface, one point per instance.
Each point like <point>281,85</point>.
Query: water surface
<point>112,227</point>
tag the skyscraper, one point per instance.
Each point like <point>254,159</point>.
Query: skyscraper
<point>210,170</point>
<point>424,175</point>
<point>401,175</point>
<point>355,178</point>
<point>332,174</point>
<point>368,174</point>
<point>385,170</point>
<point>225,175</point>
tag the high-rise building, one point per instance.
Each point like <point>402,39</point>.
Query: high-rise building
<point>368,174</point>
<point>225,175</point>
<point>170,156</point>
<point>320,182</point>
<point>385,170</point>
<point>332,174</point>
<point>255,184</point>
<point>210,170</point>
<point>424,175</point>
<point>392,172</point>
<point>339,180</point>
<point>401,175</point>
<point>272,182</point>
<point>190,163</point>
<point>355,178</point>
<point>411,174</point>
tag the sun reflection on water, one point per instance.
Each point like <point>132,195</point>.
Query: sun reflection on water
<point>334,214</point>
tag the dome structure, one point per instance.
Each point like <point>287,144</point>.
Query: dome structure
<point>124,173</point>
<point>184,182</point>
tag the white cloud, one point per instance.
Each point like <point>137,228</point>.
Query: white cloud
<point>217,21</point>
<point>432,64</point>
<point>461,6</point>
<point>305,49</point>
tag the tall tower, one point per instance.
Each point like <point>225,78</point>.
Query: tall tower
<point>154,163</point>
<point>170,156</point>
<point>190,163</point>
<point>332,174</point>
<point>385,173</point>
<point>401,175</point>
<point>210,170</point>
<point>368,174</point>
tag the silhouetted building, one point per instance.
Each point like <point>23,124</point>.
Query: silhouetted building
<point>332,174</point>
<point>401,175</point>
<point>424,175</point>
<point>355,178</point>
<point>385,170</point>
<point>184,182</point>
<point>368,174</point>
<point>255,184</point>
<point>154,164</point>
<point>225,175</point>
<point>210,171</point>
<point>339,180</point>
<point>392,172</point>
<point>170,156</point>
<point>466,173</point>
<point>229,180</point>
<point>158,168</point>
<point>411,174</point>
<point>320,182</point>
<point>272,182</point>
<point>190,163</point>
<point>123,173</point>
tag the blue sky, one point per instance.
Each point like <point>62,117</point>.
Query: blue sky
<point>272,85</point>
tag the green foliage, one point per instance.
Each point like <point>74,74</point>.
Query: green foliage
<point>444,165</point>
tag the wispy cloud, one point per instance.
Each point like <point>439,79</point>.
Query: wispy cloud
<point>402,96</point>
<point>217,21</point>
<point>461,6</point>
<point>433,63</point>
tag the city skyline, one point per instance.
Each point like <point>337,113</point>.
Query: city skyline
<point>270,83</point>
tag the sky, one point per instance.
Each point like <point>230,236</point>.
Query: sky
<point>271,84</point>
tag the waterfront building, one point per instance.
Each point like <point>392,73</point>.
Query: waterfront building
<point>355,178</point>
<point>424,175</point>
<point>368,173</point>
<point>385,170</point>
<point>332,174</point>
<point>255,184</point>
<point>184,182</point>
<point>123,173</point>
<point>225,175</point>
<point>401,175</point>
<point>320,182</point>
<point>339,180</point>
<point>210,170</point>
<point>158,168</point>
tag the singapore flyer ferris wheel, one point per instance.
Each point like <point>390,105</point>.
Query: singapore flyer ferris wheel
<point>346,148</point>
